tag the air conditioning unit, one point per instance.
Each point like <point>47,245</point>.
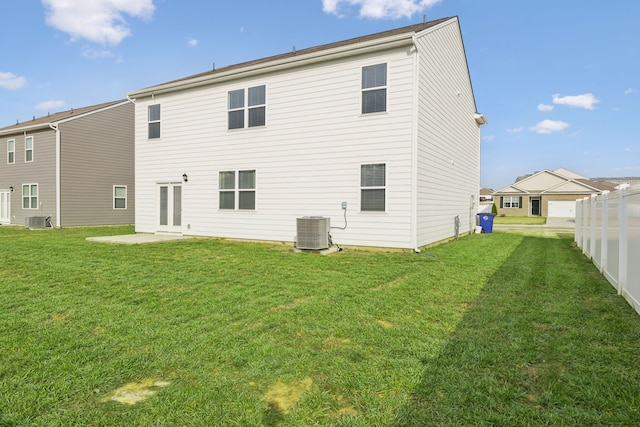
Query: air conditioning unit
<point>313,232</point>
<point>35,222</point>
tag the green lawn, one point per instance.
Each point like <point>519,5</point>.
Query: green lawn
<point>520,220</point>
<point>492,329</point>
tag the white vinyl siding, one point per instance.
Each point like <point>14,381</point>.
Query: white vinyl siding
<point>308,160</point>
<point>448,162</point>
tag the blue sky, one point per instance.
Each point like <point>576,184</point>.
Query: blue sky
<point>559,81</point>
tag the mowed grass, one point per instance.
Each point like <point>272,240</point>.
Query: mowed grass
<point>497,329</point>
<point>520,220</point>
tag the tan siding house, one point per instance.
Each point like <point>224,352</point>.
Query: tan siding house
<point>74,167</point>
<point>547,193</point>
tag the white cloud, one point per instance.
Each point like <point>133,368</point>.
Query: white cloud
<point>630,91</point>
<point>545,107</point>
<point>191,42</point>
<point>50,105</point>
<point>379,9</point>
<point>11,81</point>
<point>97,53</point>
<point>586,101</point>
<point>489,138</point>
<point>98,21</point>
<point>515,130</point>
<point>549,126</point>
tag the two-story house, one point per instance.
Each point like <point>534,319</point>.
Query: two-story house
<point>380,134</point>
<point>74,167</point>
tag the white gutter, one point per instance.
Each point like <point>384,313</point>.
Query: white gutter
<point>58,197</point>
<point>397,40</point>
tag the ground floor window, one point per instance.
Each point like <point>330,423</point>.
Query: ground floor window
<point>511,202</point>
<point>120,197</point>
<point>237,188</point>
<point>373,187</point>
<point>30,196</point>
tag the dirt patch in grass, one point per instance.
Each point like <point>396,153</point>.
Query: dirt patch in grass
<point>132,393</point>
<point>385,324</point>
<point>282,396</point>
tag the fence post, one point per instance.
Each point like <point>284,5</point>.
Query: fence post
<point>604,236</point>
<point>622,240</point>
<point>577,236</point>
<point>592,243</point>
<point>585,225</point>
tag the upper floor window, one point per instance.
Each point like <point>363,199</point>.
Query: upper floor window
<point>254,114</point>
<point>119,197</point>
<point>30,196</point>
<point>374,88</point>
<point>28,149</point>
<point>240,191</point>
<point>11,151</point>
<point>154,121</point>
<point>372,187</point>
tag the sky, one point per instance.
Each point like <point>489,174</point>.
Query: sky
<point>558,80</point>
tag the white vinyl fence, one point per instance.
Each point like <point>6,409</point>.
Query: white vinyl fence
<point>608,232</point>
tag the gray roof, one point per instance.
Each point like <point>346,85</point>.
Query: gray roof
<point>44,121</point>
<point>415,28</point>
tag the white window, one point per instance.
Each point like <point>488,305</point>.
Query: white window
<point>11,151</point>
<point>30,196</point>
<point>154,121</point>
<point>28,149</point>
<point>511,202</point>
<point>372,187</point>
<point>374,88</point>
<point>255,113</point>
<point>119,197</point>
<point>239,192</point>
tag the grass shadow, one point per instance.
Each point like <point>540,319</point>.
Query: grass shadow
<point>547,342</point>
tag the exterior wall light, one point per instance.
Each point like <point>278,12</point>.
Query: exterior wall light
<point>185,178</point>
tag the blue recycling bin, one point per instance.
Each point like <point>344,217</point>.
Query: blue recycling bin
<point>485,220</point>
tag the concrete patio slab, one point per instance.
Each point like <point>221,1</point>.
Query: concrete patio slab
<point>138,239</point>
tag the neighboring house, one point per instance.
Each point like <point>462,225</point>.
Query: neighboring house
<point>486,194</point>
<point>75,167</point>
<point>378,133</point>
<point>547,193</point>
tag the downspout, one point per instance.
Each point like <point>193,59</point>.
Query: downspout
<point>58,184</point>
<point>414,148</point>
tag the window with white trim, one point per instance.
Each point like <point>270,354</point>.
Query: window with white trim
<point>28,149</point>
<point>119,197</point>
<point>373,187</point>
<point>254,114</point>
<point>237,189</point>
<point>30,196</point>
<point>11,151</point>
<point>154,121</point>
<point>511,202</point>
<point>374,88</point>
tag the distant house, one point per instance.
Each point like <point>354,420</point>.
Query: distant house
<point>547,193</point>
<point>74,167</point>
<point>380,134</point>
<point>486,194</point>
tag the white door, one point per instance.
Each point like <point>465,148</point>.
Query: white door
<point>5,207</point>
<point>170,208</point>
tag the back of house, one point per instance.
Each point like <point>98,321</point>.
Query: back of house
<point>348,133</point>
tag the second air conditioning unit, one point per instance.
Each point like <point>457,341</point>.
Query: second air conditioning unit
<point>312,232</point>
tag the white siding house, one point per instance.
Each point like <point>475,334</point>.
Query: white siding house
<point>386,124</point>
